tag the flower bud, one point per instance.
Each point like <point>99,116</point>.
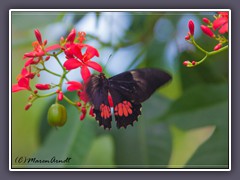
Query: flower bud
<point>60,96</point>
<point>57,115</point>
<point>191,27</point>
<point>207,31</point>
<point>84,111</point>
<point>47,58</point>
<point>28,106</point>
<point>217,47</point>
<point>91,113</point>
<point>38,36</point>
<point>193,63</point>
<point>43,86</point>
<point>71,36</point>
<point>78,104</point>
<point>206,20</point>
<point>186,63</point>
<point>187,37</point>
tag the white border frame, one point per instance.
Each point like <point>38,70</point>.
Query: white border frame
<point>112,10</point>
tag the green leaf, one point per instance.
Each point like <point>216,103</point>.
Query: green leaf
<point>200,106</point>
<point>101,154</point>
<point>191,139</point>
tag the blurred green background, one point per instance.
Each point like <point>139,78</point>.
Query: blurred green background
<point>183,125</point>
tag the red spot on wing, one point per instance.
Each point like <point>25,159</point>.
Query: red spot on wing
<point>123,109</point>
<point>105,111</point>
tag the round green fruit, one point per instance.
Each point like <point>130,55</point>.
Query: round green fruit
<point>57,115</point>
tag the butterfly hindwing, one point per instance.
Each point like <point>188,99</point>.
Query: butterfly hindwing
<point>98,96</point>
<point>125,110</point>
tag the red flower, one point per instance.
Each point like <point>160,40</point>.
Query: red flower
<point>74,86</point>
<point>23,81</point>
<point>221,22</point>
<point>39,49</point>
<point>76,59</point>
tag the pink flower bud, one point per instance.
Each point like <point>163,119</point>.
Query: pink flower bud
<point>187,37</point>
<point>43,86</point>
<point>206,20</point>
<point>207,31</point>
<point>78,104</point>
<point>191,27</point>
<point>186,63</point>
<point>71,36</point>
<point>45,42</point>
<point>84,111</point>
<point>47,58</point>
<point>38,36</point>
<point>193,63</point>
<point>217,47</point>
<point>28,106</point>
<point>60,96</point>
<point>91,113</point>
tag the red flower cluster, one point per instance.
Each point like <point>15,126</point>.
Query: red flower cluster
<point>78,55</point>
<point>76,58</point>
<point>214,29</point>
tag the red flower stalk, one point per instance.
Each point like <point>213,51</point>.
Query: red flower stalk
<point>191,27</point>
<point>217,47</point>
<point>221,22</point>
<point>23,81</point>
<point>43,86</point>
<point>207,31</point>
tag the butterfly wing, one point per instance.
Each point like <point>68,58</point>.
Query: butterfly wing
<point>98,96</point>
<point>130,88</point>
<point>138,85</point>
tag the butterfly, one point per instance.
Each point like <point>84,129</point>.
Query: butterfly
<point>127,91</point>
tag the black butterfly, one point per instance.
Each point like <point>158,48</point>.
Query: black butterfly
<point>127,90</point>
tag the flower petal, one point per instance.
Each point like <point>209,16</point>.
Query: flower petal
<point>219,22</point>
<point>223,29</point>
<point>72,64</point>
<point>53,47</point>
<point>85,73</point>
<point>16,88</point>
<point>94,65</point>
<point>74,86</point>
<point>24,82</point>
<point>90,53</point>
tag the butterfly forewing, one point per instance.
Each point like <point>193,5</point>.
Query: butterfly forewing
<point>138,85</point>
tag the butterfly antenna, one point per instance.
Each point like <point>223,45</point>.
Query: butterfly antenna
<point>107,62</point>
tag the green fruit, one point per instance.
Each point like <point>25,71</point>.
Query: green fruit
<point>57,115</point>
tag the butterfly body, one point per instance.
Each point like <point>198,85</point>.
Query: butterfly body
<point>126,90</point>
